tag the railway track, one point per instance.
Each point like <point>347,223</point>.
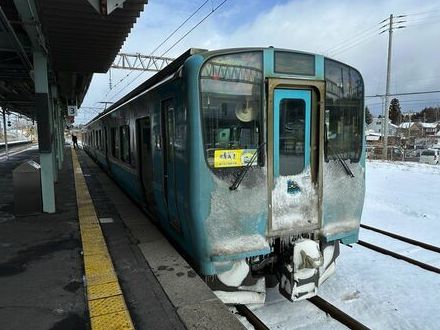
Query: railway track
<point>403,239</point>
<point>396,255</point>
<point>319,302</point>
<point>253,319</point>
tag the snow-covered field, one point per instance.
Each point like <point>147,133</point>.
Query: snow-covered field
<point>378,290</point>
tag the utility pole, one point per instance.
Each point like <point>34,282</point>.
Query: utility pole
<point>387,89</point>
<point>390,26</point>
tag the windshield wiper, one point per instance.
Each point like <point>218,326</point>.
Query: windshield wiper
<point>342,161</point>
<point>239,178</point>
<point>344,165</point>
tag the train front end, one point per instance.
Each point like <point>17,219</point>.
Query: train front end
<point>283,170</point>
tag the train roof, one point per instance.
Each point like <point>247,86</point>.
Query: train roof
<point>157,78</point>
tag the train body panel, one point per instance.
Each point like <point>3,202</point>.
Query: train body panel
<point>252,160</point>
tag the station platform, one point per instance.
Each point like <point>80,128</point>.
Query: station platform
<point>57,272</point>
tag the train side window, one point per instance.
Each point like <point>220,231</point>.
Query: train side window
<point>114,142</point>
<point>124,133</point>
<point>99,140</point>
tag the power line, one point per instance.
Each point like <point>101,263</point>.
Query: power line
<point>164,41</point>
<point>173,45</point>
<point>183,23</point>
<point>195,26</point>
<point>352,39</point>
<point>406,93</point>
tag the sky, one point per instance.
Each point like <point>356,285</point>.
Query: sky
<point>346,30</point>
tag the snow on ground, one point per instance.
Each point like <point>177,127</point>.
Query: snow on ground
<point>406,249</point>
<point>378,290</point>
<point>404,198</point>
<point>383,292</point>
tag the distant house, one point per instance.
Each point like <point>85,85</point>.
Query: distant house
<point>410,129</point>
<point>430,129</point>
<point>373,138</point>
<point>376,126</point>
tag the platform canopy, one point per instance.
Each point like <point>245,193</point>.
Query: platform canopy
<point>78,37</point>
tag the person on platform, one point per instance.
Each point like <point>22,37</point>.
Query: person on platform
<point>75,142</point>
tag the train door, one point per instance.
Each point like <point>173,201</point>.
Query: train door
<point>293,200</point>
<point>145,157</point>
<point>169,180</point>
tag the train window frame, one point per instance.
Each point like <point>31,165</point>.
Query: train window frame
<point>99,139</point>
<point>114,142</point>
<point>260,119</point>
<point>125,152</point>
<point>360,114</point>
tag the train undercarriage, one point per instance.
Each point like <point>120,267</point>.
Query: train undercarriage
<point>297,265</point>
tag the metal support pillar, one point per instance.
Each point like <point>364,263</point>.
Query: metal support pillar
<point>52,123</point>
<point>45,131</point>
<point>61,120</point>
<point>57,137</point>
<point>5,132</point>
<point>60,137</point>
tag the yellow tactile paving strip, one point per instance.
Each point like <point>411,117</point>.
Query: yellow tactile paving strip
<point>107,306</point>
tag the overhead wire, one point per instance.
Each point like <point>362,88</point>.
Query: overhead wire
<point>166,39</point>
<point>343,43</point>
<point>173,45</point>
<point>163,42</point>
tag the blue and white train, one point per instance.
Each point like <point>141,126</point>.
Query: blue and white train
<point>252,160</point>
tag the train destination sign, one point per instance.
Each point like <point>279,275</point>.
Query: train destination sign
<point>233,158</point>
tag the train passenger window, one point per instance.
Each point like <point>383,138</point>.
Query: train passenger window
<point>292,136</point>
<point>231,100</point>
<point>344,115</point>
<point>124,133</point>
<point>99,140</point>
<point>114,142</point>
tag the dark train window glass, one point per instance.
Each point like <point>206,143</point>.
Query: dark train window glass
<point>292,136</point>
<point>231,101</point>
<point>344,111</point>
<point>114,142</point>
<point>295,63</point>
<point>124,133</point>
<point>99,140</point>
<point>170,130</point>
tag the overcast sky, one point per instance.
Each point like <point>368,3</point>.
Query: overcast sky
<point>346,30</point>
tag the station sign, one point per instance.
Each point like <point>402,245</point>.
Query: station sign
<point>72,110</point>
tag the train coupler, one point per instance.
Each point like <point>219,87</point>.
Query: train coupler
<point>299,279</point>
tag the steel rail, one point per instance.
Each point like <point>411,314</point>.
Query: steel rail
<point>404,239</point>
<point>251,317</point>
<point>399,256</point>
<point>337,314</point>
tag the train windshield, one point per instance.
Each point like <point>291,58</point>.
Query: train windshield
<point>344,115</point>
<point>231,99</point>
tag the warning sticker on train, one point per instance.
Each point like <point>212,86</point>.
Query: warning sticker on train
<point>233,158</point>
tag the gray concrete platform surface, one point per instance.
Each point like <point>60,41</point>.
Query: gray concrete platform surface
<point>195,303</point>
<point>40,261</point>
<point>41,266</point>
